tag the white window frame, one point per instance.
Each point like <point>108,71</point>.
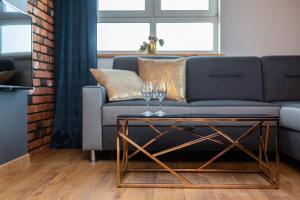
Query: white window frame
<point>153,15</point>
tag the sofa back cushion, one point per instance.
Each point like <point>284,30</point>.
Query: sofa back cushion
<point>281,78</point>
<point>131,62</point>
<point>224,78</point>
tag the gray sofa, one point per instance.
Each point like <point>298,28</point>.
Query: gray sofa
<point>215,85</point>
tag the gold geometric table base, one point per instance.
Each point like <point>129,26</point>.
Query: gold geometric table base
<point>264,168</point>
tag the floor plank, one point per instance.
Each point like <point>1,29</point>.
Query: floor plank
<point>66,174</point>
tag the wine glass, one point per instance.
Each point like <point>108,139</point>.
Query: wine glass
<point>147,92</point>
<point>160,91</point>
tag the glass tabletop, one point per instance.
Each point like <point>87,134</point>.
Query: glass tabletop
<point>195,116</point>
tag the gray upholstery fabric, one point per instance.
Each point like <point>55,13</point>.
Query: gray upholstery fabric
<point>232,103</point>
<point>224,78</point>
<point>285,103</point>
<point>289,143</point>
<point>233,107</point>
<point>131,62</point>
<point>143,134</point>
<point>229,107</point>
<point>281,78</point>
<point>290,116</point>
<point>110,111</point>
<point>93,99</point>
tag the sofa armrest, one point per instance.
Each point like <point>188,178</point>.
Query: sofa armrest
<point>93,99</point>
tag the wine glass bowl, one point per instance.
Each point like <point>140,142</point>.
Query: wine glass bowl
<point>147,93</point>
<point>160,91</point>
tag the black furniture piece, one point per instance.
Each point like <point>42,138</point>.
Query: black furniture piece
<point>13,125</point>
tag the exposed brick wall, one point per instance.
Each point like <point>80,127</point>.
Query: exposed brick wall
<point>41,98</point>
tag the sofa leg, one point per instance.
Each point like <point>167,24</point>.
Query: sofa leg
<point>93,156</point>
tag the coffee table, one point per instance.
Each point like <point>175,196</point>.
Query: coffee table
<point>265,168</point>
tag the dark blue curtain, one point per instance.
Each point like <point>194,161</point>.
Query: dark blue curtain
<point>75,54</point>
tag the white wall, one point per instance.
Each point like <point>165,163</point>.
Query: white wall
<point>105,63</point>
<point>260,27</point>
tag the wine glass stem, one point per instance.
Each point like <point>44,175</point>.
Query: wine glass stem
<point>160,106</point>
<point>147,108</point>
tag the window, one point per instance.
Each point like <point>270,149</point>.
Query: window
<point>122,36</point>
<point>185,5</point>
<point>185,25</point>
<point>121,5</point>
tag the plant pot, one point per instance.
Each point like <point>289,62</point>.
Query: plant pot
<point>152,48</point>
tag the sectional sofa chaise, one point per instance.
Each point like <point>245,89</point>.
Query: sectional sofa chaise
<point>215,85</point>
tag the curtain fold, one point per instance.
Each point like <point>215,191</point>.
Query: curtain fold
<point>75,54</point>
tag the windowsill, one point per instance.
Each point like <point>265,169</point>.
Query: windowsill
<point>183,54</point>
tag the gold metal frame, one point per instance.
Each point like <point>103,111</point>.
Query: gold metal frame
<point>265,168</point>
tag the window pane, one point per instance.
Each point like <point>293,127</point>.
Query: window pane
<point>13,41</point>
<point>119,5</point>
<point>185,5</point>
<point>122,36</point>
<point>186,36</point>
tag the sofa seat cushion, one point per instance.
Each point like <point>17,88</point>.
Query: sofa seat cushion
<point>290,115</point>
<point>112,110</point>
<point>234,107</point>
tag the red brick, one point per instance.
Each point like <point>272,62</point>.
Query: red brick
<point>36,47</point>
<point>46,58</point>
<point>50,83</point>
<point>35,143</point>
<point>43,65</point>
<point>51,60</point>
<point>36,29</point>
<point>47,139</point>
<point>45,2</point>
<point>47,123</point>
<point>44,49</point>
<point>42,74</point>
<point>36,64</point>
<point>31,136</point>
<point>50,36</point>
<point>29,8</point>
<point>32,127</point>
<point>34,55</point>
<point>41,6</point>
<point>42,99</point>
<point>43,32</point>
<point>43,90</point>
<point>50,20</point>
<point>40,116</point>
<point>50,4</point>
<point>40,108</point>
<point>36,11</point>
<point>49,43</point>
<point>36,82</point>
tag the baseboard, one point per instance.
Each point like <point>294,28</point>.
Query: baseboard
<point>15,165</point>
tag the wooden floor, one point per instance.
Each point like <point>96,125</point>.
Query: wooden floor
<point>66,174</point>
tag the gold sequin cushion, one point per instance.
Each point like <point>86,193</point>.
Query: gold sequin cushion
<point>119,84</point>
<point>172,71</point>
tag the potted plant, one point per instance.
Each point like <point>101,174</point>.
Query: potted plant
<point>151,46</point>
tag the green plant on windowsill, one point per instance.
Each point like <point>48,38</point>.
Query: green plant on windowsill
<point>151,46</point>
